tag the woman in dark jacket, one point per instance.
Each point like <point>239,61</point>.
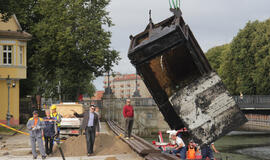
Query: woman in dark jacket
<point>49,132</point>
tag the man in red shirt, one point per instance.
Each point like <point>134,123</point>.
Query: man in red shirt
<point>128,113</point>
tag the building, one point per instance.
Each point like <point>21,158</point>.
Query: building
<point>13,43</point>
<point>124,85</point>
<point>97,96</point>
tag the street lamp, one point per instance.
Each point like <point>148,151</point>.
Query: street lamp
<point>136,92</point>
<point>108,89</point>
<point>8,117</point>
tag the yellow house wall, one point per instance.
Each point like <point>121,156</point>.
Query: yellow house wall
<point>13,73</point>
<point>14,102</point>
<point>15,70</point>
<point>10,25</point>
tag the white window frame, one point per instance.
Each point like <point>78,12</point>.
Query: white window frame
<point>21,50</point>
<point>8,50</point>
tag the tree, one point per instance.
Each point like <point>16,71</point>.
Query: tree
<point>245,64</point>
<point>73,47</point>
<point>69,45</point>
<point>10,7</point>
<point>215,55</point>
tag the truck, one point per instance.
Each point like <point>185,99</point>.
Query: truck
<point>70,125</point>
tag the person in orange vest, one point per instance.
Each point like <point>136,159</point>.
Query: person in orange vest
<point>191,150</point>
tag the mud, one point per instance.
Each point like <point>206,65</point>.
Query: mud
<point>105,144</point>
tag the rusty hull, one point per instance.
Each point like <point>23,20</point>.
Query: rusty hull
<point>184,86</point>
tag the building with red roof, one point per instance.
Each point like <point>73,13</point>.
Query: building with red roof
<point>97,96</point>
<point>124,85</point>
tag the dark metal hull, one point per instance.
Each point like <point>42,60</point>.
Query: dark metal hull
<point>184,86</point>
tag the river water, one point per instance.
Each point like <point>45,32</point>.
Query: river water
<point>242,146</point>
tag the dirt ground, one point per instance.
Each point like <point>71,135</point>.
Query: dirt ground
<point>105,144</point>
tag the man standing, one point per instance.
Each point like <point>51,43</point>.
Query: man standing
<point>35,125</point>
<point>89,124</point>
<point>49,132</point>
<point>58,119</point>
<point>128,114</point>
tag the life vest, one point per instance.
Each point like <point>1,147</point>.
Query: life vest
<point>56,116</point>
<point>191,153</point>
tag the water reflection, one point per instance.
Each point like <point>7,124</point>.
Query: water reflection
<point>245,146</point>
<point>259,152</point>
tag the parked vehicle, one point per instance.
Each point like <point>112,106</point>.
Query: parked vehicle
<point>70,125</point>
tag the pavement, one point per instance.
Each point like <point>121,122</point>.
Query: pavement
<point>17,147</point>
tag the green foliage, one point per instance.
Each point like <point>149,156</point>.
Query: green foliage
<point>69,45</point>
<point>215,55</point>
<point>244,66</point>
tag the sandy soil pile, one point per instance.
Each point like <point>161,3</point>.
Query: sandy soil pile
<point>104,145</point>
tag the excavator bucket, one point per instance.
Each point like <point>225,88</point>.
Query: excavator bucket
<point>181,81</point>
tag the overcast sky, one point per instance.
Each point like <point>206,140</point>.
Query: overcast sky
<point>213,22</point>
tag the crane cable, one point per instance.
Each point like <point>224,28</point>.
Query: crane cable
<point>175,3</point>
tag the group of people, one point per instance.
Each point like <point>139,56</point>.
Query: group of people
<point>47,128</point>
<point>192,150</point>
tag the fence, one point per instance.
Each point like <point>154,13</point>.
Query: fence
<point>257,122</point>
<point>252,99</point>
<point>147,118</point>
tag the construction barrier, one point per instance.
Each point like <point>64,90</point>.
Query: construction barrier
<point>13,129</point>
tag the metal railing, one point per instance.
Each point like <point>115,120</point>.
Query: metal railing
<point>252,99</point>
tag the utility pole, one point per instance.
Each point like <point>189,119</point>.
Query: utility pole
<point>59,90</point>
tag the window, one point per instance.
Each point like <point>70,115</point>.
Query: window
<point>7,54</point>
<point>149,115</point>
<point>21,55</point>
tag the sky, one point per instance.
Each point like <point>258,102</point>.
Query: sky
<point>213,22</point>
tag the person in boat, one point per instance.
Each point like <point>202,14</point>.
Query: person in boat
<point>179,146</point>
<point>191,150</point>
<point>207,152</point>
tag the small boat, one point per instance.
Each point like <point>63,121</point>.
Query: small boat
<point>168,147</point>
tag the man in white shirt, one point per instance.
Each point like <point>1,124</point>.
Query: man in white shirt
<point>179,147</point>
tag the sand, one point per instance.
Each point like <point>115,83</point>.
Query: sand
<point>105,144</point>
